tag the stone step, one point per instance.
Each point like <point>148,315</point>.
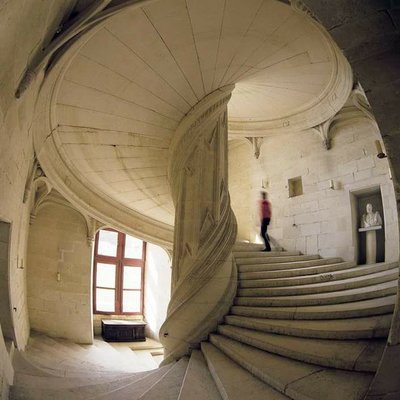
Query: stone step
<point>377,306</point>
<point>198,383</point>
<point>296,272</point>
<point>366,281</point>
<point>99,353</point>
<point>235,382</point>
<point>23,364</point>
<point>351,272</point>
<point>274,259</point>
<point>297,380</point>
<point>289,265</point>
<point>343,296</point>
<point>66,383</point>
<point>94,359</point>
<point>313,277</point>
<point>354,328</point>
<point>245,246</point>
<point>67,367</point>
<point>59,366</point>
<point>61,346</point>
<point>146,359</point>
<point>78,389</point>
<point>264,254</point>
<point>169,386</point>
<point>126,352</point>
<point>136,390</point>
<point>125,359</point>
<point>352,355</point>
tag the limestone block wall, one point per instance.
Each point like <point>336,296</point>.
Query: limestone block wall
<point>25,27</point>
<point>320,220</point>
<point>60,275</point>
<point>157,289</point>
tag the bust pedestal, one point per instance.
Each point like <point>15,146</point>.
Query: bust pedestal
<point>371,242</point>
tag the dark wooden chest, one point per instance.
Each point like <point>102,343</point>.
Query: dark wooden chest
<point>122,331</point>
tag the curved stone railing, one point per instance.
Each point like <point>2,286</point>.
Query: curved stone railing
<point>203,275</point>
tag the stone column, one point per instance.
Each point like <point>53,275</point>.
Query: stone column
<point>203,275</point>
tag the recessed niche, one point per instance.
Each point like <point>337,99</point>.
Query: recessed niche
<point>295,186</point>
<point>360,199</point>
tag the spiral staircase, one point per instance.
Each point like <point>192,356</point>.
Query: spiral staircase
<point>301,327</point>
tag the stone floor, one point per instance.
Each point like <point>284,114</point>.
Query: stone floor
<point>149,352</point>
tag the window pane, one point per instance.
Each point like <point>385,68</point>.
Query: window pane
<point>105,275</point>
<point>133,247</point>
<point>131,301</point>
<point>108,243</point>
<point>105,300</point>
<point>132,278</point>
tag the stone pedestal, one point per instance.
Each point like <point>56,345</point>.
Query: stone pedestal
<point>370,243</point>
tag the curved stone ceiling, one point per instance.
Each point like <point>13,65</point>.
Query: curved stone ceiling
<point>129,86</point>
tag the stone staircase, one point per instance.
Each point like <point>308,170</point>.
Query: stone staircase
<point>301,327</point>
<point>309,328</point>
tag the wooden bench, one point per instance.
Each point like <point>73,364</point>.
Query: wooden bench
<point>114,330</point>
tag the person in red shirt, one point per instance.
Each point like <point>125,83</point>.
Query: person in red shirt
<point>265,215</point>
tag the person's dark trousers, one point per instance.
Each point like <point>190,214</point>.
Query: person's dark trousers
<point>264,227</point>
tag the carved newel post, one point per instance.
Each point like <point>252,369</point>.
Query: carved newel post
<point>203,274</point>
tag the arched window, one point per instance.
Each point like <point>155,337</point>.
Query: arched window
<point>119,262</point>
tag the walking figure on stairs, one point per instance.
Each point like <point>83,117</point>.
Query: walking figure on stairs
<point>265,215</point>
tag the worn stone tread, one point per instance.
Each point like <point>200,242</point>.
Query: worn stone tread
<point>198,383</point>
<point>319,283</point>
<point>294,378</point>
<point>289,265</point>
<point>377,306</point>
<point>275,259</point>
<point>286,273</point>
<point>319,298</point>
<point>235,382</point>
<point>353,355</point>
<point>315,277</point>
<point>353,328</point>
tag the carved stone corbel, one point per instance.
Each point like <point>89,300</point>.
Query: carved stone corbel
<point>37,189</point>
<point>90,229</point>
<point>29,181</point>
<point>355,108</point>
<point>360,101</point>
<point>256,143</point>
<point>323,130</point>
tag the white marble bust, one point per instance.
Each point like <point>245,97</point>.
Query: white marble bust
<point>371,218</point>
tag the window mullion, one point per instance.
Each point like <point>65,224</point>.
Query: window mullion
<point>118,294</point>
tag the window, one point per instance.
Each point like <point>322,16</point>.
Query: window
<point>118,273</point>
<point>295,187</point>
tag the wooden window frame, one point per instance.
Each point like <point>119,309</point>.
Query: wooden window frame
<point>119,261</point>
